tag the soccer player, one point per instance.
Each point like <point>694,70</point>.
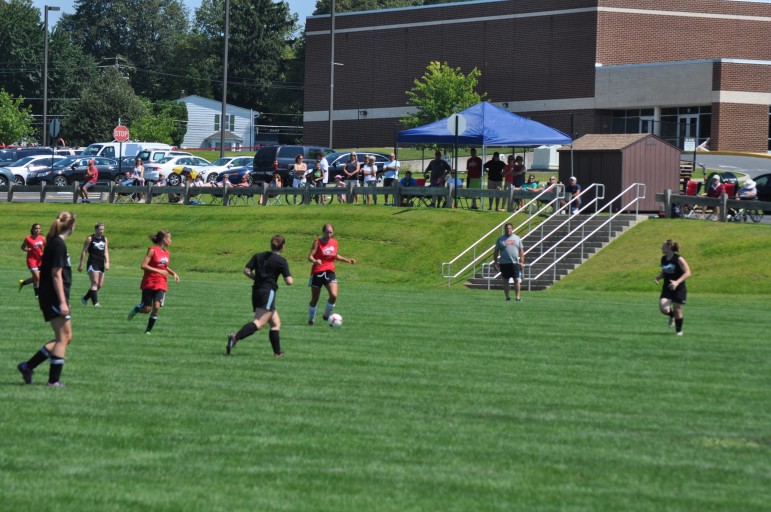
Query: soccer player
<point>155,280</point>
<point>33,245</point>
<point>97,264</point>
<point>508,248</point>
<point>264,269</point>
<point>674,271</point>
<point>323,256</point>
<point>54,294</point>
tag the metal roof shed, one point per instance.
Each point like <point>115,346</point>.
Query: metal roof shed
<point>618,161</point>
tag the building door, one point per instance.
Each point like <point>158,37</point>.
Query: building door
<point>687,126</point>
<point>646,124</point>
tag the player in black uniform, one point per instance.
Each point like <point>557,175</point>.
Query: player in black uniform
<point>674,270</point>
<point>264,269</point>
<point>98,262</point>
<point>55,281</point>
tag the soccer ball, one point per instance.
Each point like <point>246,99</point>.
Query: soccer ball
<point>335,321</point>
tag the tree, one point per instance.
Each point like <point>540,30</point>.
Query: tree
<point>141,35</point>
<point>15,119</point>
<point>164,122</point>
<point>441,92</point>
<point>21,38</point>
<point>103,102</point>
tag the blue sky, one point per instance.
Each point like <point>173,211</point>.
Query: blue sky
<point>303,8</point>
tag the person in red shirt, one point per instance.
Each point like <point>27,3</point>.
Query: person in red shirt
<point>474,174</point>
<point>715,189</point>
<point>33,245</point>
<point>155,279</point>
<point>323,256</point>
<point>92,174</point>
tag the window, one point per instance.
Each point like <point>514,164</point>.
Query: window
<point>230,121</point>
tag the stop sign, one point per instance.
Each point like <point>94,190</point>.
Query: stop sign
<point>121,133</point>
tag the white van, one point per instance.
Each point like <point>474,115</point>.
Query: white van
<point>114,149</point>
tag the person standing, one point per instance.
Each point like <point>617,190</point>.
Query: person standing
<point>55,282</point>
<point>299,171</point>
<point>264,269</point>
<point>369,171</point>
<point>494,170</point>
<point>97,264</point>
<point>518,176</point>
<point>155,279</point>
<point>323,256</point>
<point>674,271</point>
<point>92,174</point>
<point>391,173</point>
<point>139,176</point>
<point>509,258</point>
<point>324,164</point>
<point>474,174</point>
<point>437,170</point>
<point>33,245</point>
<point>351,172</point>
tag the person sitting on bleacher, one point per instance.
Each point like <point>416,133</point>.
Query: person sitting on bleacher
<point>715,190</point>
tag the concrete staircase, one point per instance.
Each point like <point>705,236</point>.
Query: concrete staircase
<point>534,249</point>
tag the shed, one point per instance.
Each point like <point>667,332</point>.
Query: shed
<point>618,161</point>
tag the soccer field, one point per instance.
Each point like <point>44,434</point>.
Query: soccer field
<point>428,398</point>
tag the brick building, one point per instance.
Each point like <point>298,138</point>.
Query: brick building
<point>682,68</point>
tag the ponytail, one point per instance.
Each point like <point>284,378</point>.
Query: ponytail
<point>673,245</point>
<point>158,237</point>
<point>64,223</point>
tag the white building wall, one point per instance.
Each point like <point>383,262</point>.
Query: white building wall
<point>201,113</point>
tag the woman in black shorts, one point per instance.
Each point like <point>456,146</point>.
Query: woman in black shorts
<point>674,271</point>
<point>264,269</point>
<point>98,262</point>
<point>54,294</point>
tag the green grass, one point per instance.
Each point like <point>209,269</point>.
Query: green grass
<point>429,398</point>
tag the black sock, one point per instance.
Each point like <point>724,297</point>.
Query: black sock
<point>151,323</point>
<point>671,314</point>
<point>27,281</point>
<point>94,297</point>
<point>679,324</point>
<point>88,295</point>
<point>40,356</point>
<point>35,291</point>
<point>275,341</point>
<point>246,331</point>
<point>55,371</point>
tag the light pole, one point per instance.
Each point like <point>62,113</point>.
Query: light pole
<point>45,74</point>
<point>224,80</point>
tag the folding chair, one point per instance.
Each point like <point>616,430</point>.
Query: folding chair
<point>126,197</point>
<point>421,200</point>
<point>240,195</point>
<point>692,189</point>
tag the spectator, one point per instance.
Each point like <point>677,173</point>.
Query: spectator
<point>574,190</point>
<point>715,190</point>
<point>509,257</point>
<point>324,164</point>
<point>369,171</point>
<point>531,184</point>
<point>508,177</point>
<point>407,181</point>
<point>437,170</point>
<point>391,173</point>
<point>518,175</point>
<point>245,181</point>
<point>224,182</point>
<point>161,180</point>
<point>299,172</point>
<point>748,190</point>
<point>456,182</point>
<point>139,172</point>
<point>316,179</point>
<point>276,181</point>
<point>92,174</point>
<point>340,183</point>
<point>351,172</point>
<point>474,174</point>
<point>494,170</point>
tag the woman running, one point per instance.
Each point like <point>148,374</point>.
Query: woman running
<point>33,245</point>
<point>323,256</point>
<point>674,270</point>
<point>97,264</point>
<point>264,269</point>
<point>55,281</point>
<point>155,280</point>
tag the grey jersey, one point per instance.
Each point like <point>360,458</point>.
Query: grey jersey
<point>509,248</point>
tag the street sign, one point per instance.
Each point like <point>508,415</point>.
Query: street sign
<point>461,122</point>
<point>53,128</point>
<point>689,145</point>
<point>121,133</point>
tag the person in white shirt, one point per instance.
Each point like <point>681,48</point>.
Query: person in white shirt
<point>391,173</point>
<point>370,177</point>
<point>324,166</point>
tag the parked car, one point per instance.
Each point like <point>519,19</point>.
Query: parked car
<point>73,168</point>
<point>236,174</point>
<point>6,177</point>
<point>231,162</point>
<point>271,159</point>
<point>337,161</point>
<point>171,167</point>
<point>763,185</point>
<point>21,168</point>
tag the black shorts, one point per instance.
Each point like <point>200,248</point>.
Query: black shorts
<point>263,298</point>
<point>149,297</point>
<point>50,306</point>
<point>95,266</point>
<point>678,295</point>
<point>511,271</point>
<point>322,279</point>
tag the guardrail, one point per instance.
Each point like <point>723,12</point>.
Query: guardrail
<point>722,202</point>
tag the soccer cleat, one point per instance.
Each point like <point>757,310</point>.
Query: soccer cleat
<point>671,322</point>
<point>97,305</point>
<point>57,384</point>
<point>21,284</point>
<point>679,333</point>
<point>26,372</point>
<point>311,322</point>
<point>84,301</point>
<point>325,317</point>
<point>147,333</point>
<point>132,314</point>
<point>280,354</point>
<point>519,299</point>
<point>231,342</point>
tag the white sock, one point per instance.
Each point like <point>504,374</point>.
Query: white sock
<point>328,309</point>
